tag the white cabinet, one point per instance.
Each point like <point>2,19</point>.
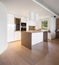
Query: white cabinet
<point>10,28</point>
<point>10,19</point>
<point>17,35</point>
<point>37,37</point>
<point>10,36</point>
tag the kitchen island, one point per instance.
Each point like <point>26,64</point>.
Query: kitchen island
<point>30,38</point>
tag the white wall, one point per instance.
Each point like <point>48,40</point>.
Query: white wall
<point>52,27</point>
<point>3,28</point>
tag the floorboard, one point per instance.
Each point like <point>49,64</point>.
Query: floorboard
<point>41,54</point>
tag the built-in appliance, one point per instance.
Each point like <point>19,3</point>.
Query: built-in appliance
<point>23,26</point>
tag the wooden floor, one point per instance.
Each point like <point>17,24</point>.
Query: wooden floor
<point>41,54</point>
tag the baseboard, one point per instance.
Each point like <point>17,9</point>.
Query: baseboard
<point>14,41</point>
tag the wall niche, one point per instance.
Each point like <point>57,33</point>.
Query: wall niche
<point>17,24</point>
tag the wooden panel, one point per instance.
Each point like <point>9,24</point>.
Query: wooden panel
<point>45,36</point>
<point>26,39</point>
<point>17,22</point>
<point>57,35</point>
<point>41,54</point>
<point>57,28</point>
<point>57,23</point>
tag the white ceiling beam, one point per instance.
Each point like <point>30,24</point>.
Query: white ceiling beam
<point>45,8</point>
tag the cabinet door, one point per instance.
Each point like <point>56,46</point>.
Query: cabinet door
<point>10,36</point>
<point>10,28</point>
<point>37,38</point>
<point>10,19</point>
<point>17,35</point>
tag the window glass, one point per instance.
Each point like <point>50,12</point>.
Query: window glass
<point>44,24</point>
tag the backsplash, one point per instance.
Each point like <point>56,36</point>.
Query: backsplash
<point>31,27</point>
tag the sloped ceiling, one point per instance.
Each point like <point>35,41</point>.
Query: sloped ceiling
<point>24,7</point>
<point>53,5</point>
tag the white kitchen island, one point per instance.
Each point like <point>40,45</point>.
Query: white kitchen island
<point>30,38</point>
<point>36,37</point>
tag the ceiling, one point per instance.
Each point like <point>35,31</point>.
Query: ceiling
<point>53,5</point>
<point>25,7</point>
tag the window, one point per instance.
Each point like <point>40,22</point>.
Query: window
<point>44,25</point>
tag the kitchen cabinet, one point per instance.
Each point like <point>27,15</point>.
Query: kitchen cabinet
<point>10,19</point>
<point>10,28</point>
<point>12,34</point>
<point>17,35</point>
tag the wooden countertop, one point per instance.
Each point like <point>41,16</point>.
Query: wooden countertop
<point>35,31</point>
